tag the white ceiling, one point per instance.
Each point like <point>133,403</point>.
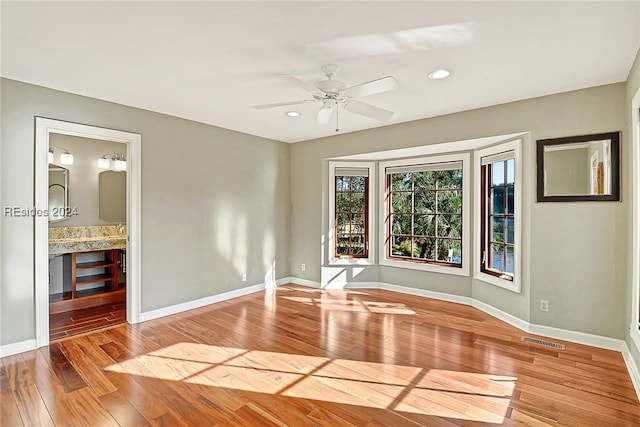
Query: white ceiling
<point>212,61</point>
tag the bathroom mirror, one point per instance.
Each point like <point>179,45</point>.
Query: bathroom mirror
<point>113,196</point>
<point>58,193</point>
<point>579,168</point>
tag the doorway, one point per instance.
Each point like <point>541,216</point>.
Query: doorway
<point>87,235</point>
<point>110,244</point>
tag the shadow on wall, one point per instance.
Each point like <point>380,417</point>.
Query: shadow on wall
<point>339,277</point>
<point>242,231</point>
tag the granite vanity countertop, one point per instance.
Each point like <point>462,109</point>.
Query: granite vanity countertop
<point>64,240</point>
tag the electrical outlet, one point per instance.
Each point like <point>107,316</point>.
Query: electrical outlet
<point>544,305</point>
<point>244,277</point>
<point>303,267</point>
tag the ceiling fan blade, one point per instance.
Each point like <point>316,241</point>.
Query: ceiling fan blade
<point>324,114</point>
<point>282,104</point>
<point>370,88</point>
<point>367,110</point>
<point>302,85</point>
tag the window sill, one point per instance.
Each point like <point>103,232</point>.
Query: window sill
<point>351,261</point>
<point>513,286</point>
<point>434,268</point>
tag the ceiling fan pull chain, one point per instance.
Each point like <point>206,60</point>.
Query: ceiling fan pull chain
<point>337,114</point>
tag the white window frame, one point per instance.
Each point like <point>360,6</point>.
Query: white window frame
<point>634,328</point>
<point>370,259</point>
<point>465,158</point>
<point>516,147</point>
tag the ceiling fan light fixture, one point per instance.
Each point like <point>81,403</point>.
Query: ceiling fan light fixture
<point>325,112</point>
<point>440,74</point>
<point>334,94</point>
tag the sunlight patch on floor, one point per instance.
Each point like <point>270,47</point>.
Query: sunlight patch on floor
<point>435,392</point>
<point>354,305</point>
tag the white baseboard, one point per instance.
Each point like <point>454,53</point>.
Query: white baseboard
<point>303,282</point>
<point>632,367</point>
<point>283,281</point>
<point>330,286</point>
<point>17,347</point>
<point>578,337</point>
<point>352,285</point>
<point>459,299</point>
<point>501,315</point>
<point>190,305</point>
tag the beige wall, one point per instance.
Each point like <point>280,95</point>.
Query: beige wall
<point>215,203</point>
<point>570,254</point>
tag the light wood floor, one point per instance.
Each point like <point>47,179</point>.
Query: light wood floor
<point>300,356</point>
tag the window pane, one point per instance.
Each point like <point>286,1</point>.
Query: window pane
<point>401,224</point>
<point>449,250</point>
<point>510,260</point>
<point>424,180</point>
<point>497,172</point>
<point>497,200</point>
<point>510,227</point>
<point>497,229</point>
<point>511,174</point>
<point>450,179</point>
<point>342,202</point>
<point>357,202</point>
<point>497,257</point>
<point>425,202</point>
<point>401,202</point>
<point>342,244</point>
<point>510,201</point>
<point>424,225</point>
<point>342,222</point>
<point>357,224</point>
<point>401,181</point>
<point>357,249</point>
<point>357,183</point>
<point>401,246</point>
<point>342,183</point>
<point>449,201</point>
<point>424,248</point>
<point>449,225</point>
<point>456,253</point>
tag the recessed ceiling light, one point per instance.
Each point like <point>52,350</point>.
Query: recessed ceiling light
<point>440,74</point>
<point>292,114</point>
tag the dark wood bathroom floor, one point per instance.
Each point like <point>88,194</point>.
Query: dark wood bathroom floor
<point>77,322</point>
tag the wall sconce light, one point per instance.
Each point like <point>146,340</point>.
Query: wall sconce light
<point>103,163</point>
<point>66,158</point>
<point>119,161</point>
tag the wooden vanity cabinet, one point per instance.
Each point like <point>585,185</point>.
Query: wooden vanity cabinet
<point>87,268</point>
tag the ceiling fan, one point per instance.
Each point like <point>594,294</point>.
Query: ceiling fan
<point>333,93</point>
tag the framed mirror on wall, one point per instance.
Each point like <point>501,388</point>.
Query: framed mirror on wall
<point>579,168</point>
<point>58,193</point>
